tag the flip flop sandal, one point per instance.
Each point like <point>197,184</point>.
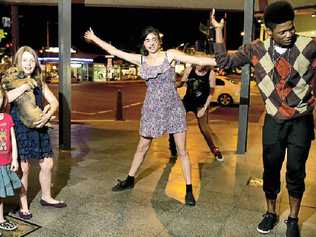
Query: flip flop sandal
<point>7,225</point>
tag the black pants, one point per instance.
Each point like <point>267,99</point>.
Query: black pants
<point>295,136</point>
<point>203,126</point>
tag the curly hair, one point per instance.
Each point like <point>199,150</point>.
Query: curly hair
<point>277,13</point>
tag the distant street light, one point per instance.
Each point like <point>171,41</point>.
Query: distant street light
<point>180,45</point>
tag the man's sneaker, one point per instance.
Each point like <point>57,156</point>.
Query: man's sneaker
<point>189,199</point>
<point>268,222</point>
<point>218,155</point>
<point>292,229</point>
<point>123,185</point>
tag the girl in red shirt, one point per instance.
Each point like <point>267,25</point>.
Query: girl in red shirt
<point>9,181</point>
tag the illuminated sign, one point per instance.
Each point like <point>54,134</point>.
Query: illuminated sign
<point>2,34</point>
<point>56,59</point>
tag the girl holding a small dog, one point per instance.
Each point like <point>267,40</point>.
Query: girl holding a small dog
<point>33,142</point>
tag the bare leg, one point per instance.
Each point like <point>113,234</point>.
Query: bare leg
<point>45,177</point>
<point>295,204</point>
<point>205,130</point>
<point>180,139</point>
<point>25,167</point>
<point>271,205</point>
<point>1,212</point>
<point>139,156</point>
<point>172,146</point>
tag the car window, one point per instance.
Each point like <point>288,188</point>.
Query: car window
<point>220,82</point>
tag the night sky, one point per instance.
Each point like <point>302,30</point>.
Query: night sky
<point>120,26</point>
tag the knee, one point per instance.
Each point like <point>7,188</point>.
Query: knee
<point>25,167</point>
<point>182,153</point>
<point>142,148</point>
<point>47,164</point>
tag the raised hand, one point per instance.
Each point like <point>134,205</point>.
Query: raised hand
<point>89,35</point>
<point>214,22</point>
<point>45,118</point>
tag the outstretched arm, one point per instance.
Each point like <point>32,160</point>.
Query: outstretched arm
<point>223,59</point>
<point>218,28</point>
<point>174,54</point>
<point>133,58</point>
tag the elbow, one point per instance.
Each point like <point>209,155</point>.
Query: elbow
<point>56,105</point>
<point>222,62</point>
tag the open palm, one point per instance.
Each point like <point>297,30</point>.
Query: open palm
<point>214,22</point>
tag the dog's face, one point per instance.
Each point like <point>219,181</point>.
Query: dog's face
<point>13,73</point>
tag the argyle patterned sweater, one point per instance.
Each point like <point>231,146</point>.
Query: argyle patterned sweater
<point>287,82</point>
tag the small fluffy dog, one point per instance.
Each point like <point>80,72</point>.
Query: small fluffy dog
<point>27,109</point>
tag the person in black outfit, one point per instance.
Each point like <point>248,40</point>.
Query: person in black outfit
<point>200,82</point>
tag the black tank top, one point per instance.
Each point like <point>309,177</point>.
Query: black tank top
<point>198,88</point>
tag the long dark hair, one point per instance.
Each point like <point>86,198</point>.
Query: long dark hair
<point>145,32</point>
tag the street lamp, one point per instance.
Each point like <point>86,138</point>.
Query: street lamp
<point>180,45</point>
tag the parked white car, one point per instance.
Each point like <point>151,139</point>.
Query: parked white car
<point>227,91</point>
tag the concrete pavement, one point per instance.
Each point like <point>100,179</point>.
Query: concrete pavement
<point>102,152</point>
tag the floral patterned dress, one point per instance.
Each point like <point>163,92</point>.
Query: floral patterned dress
<point>163,111</point>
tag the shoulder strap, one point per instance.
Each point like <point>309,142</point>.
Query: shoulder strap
<point>172,62</point>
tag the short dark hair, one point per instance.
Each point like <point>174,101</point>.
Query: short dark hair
<point>145,32</point>
<point>277,13</point>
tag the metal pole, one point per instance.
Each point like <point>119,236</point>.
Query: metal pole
<point>64,42</point>
<point>47,34</point>
<point>15,29</point>
<point>245,78</point>
<point>119,106</point>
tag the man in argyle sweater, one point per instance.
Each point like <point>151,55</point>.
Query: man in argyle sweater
<point>285,70</point>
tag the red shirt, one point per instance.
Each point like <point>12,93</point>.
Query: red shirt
<point>6,123</point>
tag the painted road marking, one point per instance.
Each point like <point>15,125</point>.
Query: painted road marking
<point>106,111</point>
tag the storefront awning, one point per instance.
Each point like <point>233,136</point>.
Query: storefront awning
<point>179,4</point>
